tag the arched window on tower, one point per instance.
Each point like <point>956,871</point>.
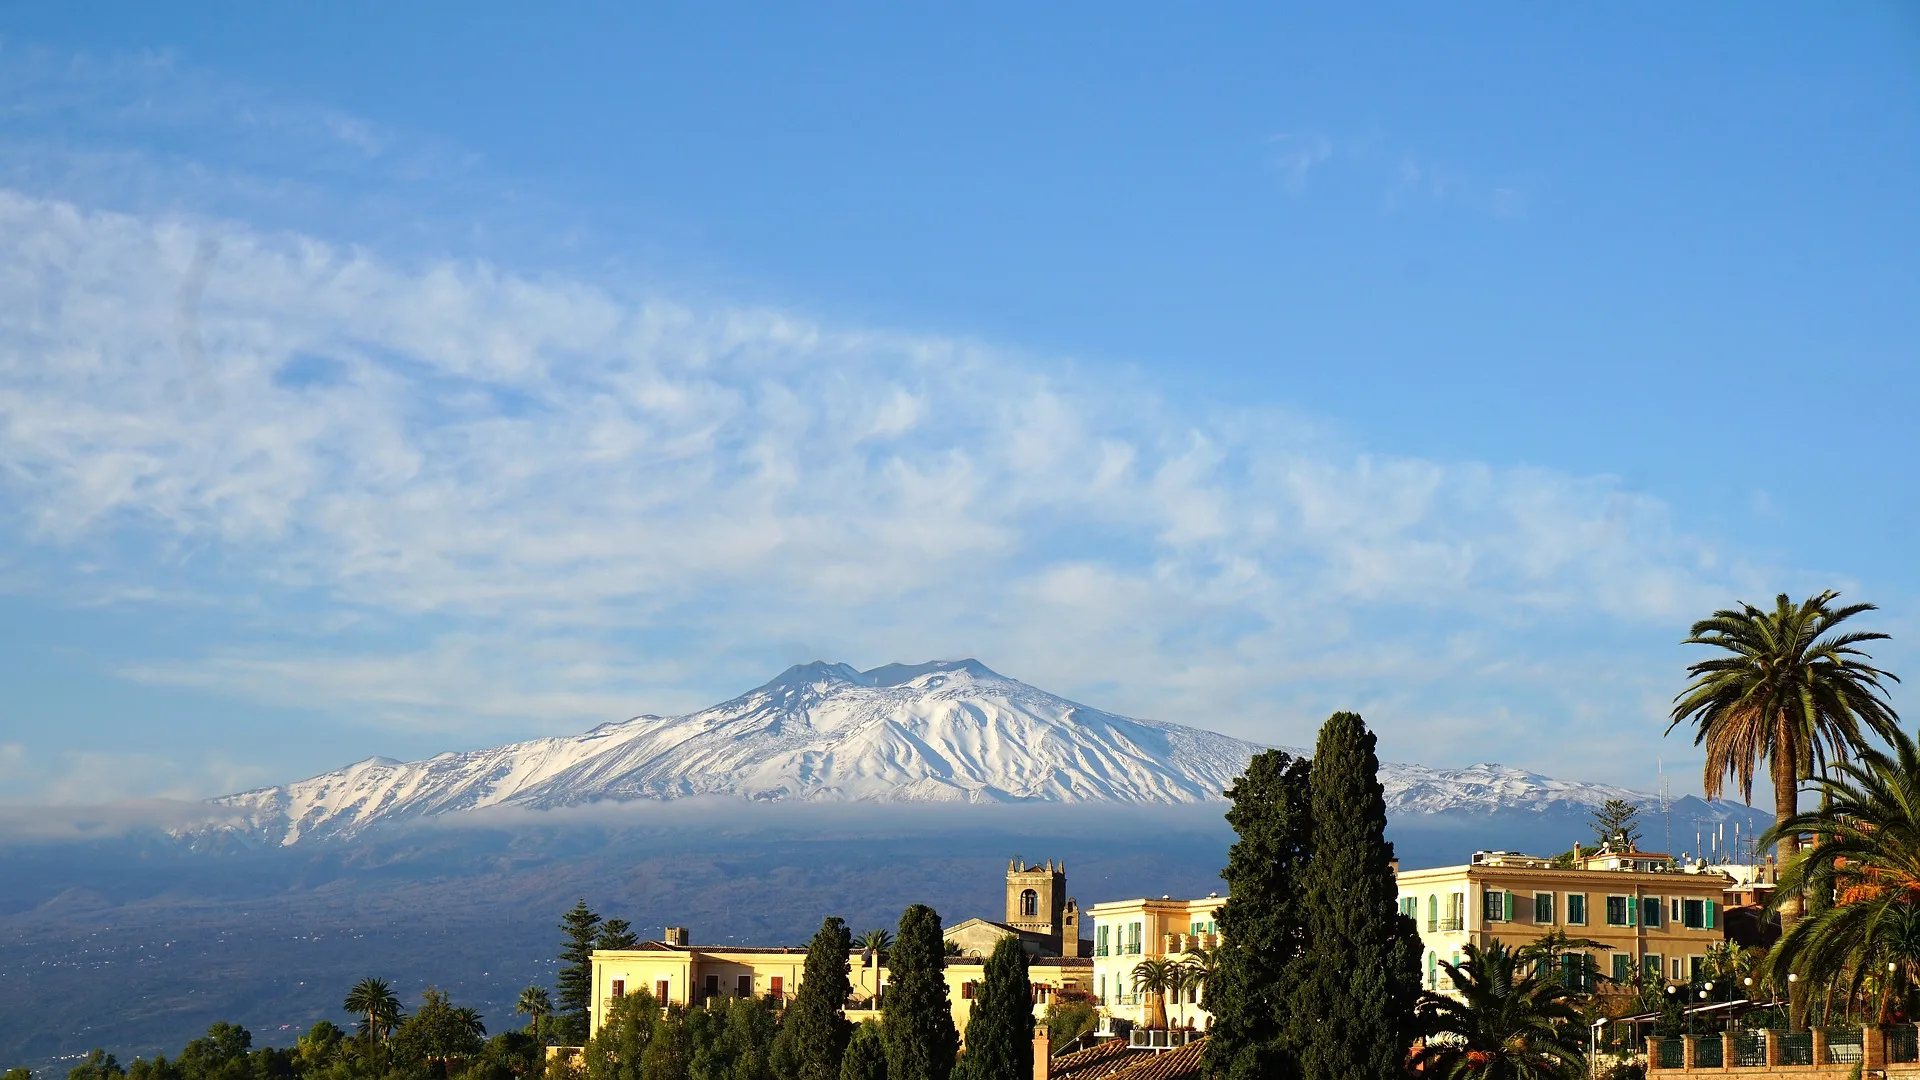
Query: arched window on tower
<point>1029,904</point>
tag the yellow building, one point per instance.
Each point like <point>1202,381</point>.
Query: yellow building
<point>1127,932</point>
<point>1638,905</point>
<point>675,971</point>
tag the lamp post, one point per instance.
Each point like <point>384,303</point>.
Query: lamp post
<point>1792,977</point>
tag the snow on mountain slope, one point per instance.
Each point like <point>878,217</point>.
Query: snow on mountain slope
<point>940,732</point>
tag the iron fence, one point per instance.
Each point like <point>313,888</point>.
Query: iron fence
<point>1843,1046</point>
<point>1749,1048</point>
<point>1707,1052</point>
<point>1796,1048</point>
<point>1671,1053</point>
<point>1903,1043</point>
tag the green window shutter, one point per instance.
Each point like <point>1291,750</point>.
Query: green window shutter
<point>1710,906</point>
<point>1510,912</point>
<point>1633,914</point>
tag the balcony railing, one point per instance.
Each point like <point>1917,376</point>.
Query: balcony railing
<point>1453,923</point>
<point>1162,1038</point>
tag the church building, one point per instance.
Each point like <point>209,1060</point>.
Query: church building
<point>1039,912</point>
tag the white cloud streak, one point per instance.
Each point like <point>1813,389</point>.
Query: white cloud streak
<point>563,495</point>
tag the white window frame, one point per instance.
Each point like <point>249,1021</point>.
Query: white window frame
<point>1553,909</point>
<point>1582,921</point>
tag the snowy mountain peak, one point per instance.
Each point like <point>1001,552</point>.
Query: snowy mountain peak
<point>945,731</point>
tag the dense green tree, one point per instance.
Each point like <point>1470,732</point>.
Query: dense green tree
<point>580,931</point>
<point>1000,1028</point>
<point>220,1054</point>
<point>1352,994</point>
<point>439,1033</point>
<point>1793,691</point>
<point>866,1057</point>
<point>1069,1016</point>
<point>510,1055</point>
<point>616,934</point>
<point>374,1002</point>
<point>814,1031</point>
<point>1616,823</point>
<point>97,1065</point>
<point>669,1054</point>
<point>1262,927</point>
<point>318,1046</point>
<point>1503,1026</point>
<point>916,1020</point>
<point>18,1073</point>
<point>156,1068</point>
<point>736,1041</point>
<point>614,1053</point>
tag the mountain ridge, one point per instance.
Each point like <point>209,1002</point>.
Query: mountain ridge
<point>939,732</point>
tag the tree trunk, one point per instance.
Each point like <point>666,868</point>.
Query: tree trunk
<point>1786,803</point>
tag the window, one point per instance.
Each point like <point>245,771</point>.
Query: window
<point>966,991</point>
<point>1622,968</point>
<point>1678,969</point>
<point>660,992</point>
<point>619,987</point>
<point>1650,915</point>
<point>1133,939</point>
<point>1100,942</point>
<point>1029,904</point>
<point>777,986</point>
<point>1493,904</point>
<point>746,987</point>
<point>1694,963</point>
<point>1699,914</point>
<point>1103,989</point>
<point>1650,963</point>
<point>1576,909</point>
<point>1677,916</point>
<point>1619,910</point>
<point>713,986</point>
<point>1433,912</point>
<point>1433,970</point>
<point>1543,908</point>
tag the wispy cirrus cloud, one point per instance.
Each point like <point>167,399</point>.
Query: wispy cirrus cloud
<point>562,495</point>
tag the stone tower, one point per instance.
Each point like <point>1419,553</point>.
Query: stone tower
<point>1037,903</point>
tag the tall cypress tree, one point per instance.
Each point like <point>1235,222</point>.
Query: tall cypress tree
<point>1352,998</point>
<point>1000,1030</point>
<point>866,1055</point>
<point>814,1030</point>
<point>1261,924</point>
<point>916,1021</point>
<point>575,980</point>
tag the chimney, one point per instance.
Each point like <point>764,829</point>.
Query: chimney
<point>676,937</point>
<point>1042,1053</point>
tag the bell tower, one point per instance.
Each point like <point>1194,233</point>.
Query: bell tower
<point>1037,901</point>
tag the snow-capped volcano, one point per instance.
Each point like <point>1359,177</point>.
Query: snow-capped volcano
<point>940,732</point>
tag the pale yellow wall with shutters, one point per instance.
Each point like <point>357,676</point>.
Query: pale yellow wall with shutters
<point>1451,906</point>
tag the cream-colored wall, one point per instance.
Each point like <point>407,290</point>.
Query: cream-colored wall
<point>1670,940</point>
<point>642,968</point>
<point>1160,921</point>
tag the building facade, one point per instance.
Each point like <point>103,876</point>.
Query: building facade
<point>1646,914</point>
<point>1039,912</point>
<point>677,972</point>
<point>1128,932</point>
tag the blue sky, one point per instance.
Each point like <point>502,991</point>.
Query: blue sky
<point>399,378</point>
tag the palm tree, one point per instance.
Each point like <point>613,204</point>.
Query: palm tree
<point>1794,693</point>
<point>1543,954</point>
<point>1154,977</point>
<point>1502,1026</point>
<point>1201,962</point>
<point>878,941</point>
<point>1869,863</point>
<point>535,1003</point>
<point>374,1002</point>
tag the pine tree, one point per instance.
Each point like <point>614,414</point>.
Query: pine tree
<point>616,934</point>
<point>575,979</point>
<point>916,1020</point>
<point>1261,924</point>
<point>1351,1002</point>
<point>1000,1030</point>
<point>814,1031</point>
<point>1616,823</point>
<point>866,1055</point>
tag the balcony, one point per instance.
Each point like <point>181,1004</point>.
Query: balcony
<point>1453,924</point>
<point>1161,1038</point>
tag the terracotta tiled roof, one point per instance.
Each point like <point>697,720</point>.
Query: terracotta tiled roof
<point>1181,1064</point>
<point>1102,1059</point>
